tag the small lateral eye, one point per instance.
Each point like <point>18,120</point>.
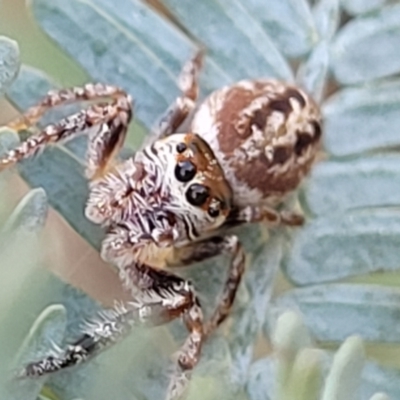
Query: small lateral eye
<point>185,171</point>
<point>197,194</point>
<point>181,147</point>
<point>213,212</point>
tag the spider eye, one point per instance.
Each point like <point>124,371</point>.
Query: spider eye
<point>181,147</point>
<point>197,194</point>
<point>185,171</point>
<point>213,212</point>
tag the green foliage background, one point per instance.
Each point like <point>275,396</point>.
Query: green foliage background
<point>340,270</point>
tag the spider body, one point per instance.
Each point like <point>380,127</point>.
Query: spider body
<point>173,202</point>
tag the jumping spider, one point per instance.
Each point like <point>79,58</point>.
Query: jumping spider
<point>172,203</point>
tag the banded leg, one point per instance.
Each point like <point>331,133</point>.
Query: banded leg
<point>228,245</point>
<point>262,213</point>
<point>184,104</point>
<point>106,125</point>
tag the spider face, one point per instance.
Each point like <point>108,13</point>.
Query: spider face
<point>194,180</point>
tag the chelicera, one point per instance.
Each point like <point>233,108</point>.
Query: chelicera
<point>172,204</point>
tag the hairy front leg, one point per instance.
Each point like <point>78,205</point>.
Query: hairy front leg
<point>105,123</point>
<point>184,104</point>
<point>159,298</point>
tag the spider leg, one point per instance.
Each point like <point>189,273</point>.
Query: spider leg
<point>159,298</point>
<point>105,124</point>
<point>184,104</point>
<point>263,213</point>
<point>229,245</point>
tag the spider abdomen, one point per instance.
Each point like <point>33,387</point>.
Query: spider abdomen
<point>265,135</point>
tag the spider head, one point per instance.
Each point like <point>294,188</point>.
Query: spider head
<point>194,181</point>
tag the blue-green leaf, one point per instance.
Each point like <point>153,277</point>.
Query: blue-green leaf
<point>334,312</point>
<point>380,396</point>
<point>233,37</point>
<point>9,62</point>
<point>377,378</point>
<point>352,58</point>
<point>338,186</point>
<point>362,119</point>
<point>113,49</point>
<point>312,74</point>
<point>261,380</point>
<point>342,245</point>
<point>326,16</point>
<point>64,183</point>
<point>355,7</point>
<point>288,23</point>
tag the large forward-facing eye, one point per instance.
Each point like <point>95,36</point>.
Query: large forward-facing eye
<point>185,171</point>
<point>197,194</point>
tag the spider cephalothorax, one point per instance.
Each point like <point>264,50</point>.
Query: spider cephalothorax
<point>173,203</point>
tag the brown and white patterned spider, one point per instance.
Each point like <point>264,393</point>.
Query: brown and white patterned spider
<point>172,204</point>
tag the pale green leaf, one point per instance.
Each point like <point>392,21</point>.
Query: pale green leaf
<point>362,119</point>
<point>334,312</point>
<point>367,48</point>
<point>30,214</point>
<point>344,377</point>
<point>9,62</point>
<point>47,332</point>
<point>341,245</point>
<point>305,379</point>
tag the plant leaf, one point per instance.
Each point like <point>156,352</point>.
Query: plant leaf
<point>137,56</point>
<point>342,245</point>
<point>9,62</point>
<point>352,58</point>
<point>233,38</point>
<point>326,16</point>
<point>30,214</point>
<point>362,119</point>
<point>355,7</point>
<point>312,74</point>
<point>261,381</point>
<point>47,331</point>
<point>64,183</point>
<point>344,377</point>
<point>334,312</point>
<point>338,186</point>
<point>377,378</point>
<point>295,33</point>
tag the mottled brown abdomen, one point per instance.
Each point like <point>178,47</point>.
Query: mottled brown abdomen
<point>264,133</point>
